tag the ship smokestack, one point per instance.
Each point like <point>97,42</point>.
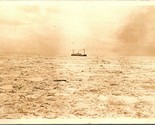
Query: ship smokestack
<point>73,51</point>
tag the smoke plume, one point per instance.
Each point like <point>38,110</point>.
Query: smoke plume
<point>136,36</point>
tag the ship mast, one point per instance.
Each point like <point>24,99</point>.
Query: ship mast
<point>84,51</point>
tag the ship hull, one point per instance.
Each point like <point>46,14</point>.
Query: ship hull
<point>78,55</point>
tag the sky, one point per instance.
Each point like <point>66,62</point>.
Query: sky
<point>58,27</point>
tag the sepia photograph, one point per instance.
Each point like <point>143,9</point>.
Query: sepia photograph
<point>77,61</point>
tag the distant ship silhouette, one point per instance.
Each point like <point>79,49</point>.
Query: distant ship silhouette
<point>78,54</point>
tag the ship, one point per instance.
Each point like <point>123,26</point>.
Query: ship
<point>78,54</point>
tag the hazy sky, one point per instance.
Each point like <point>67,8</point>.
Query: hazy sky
<point>58,27</point>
